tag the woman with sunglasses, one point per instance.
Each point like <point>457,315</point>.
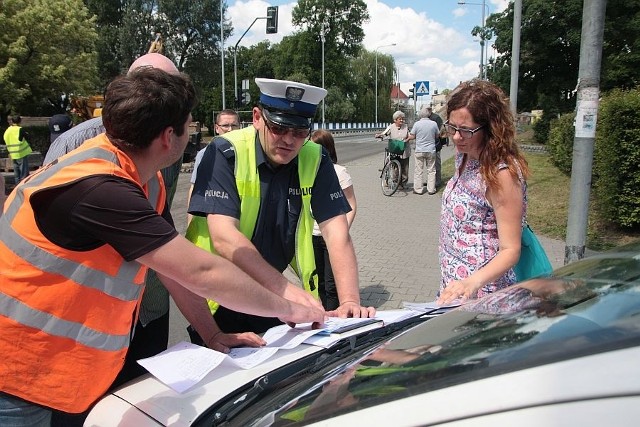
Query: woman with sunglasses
<point>484,205</point>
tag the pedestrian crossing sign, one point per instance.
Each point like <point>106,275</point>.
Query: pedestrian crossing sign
<point>422,88</point>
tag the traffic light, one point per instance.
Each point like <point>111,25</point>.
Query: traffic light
<point>412,91</point>
<point>272,19</point>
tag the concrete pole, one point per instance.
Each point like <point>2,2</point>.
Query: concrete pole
<point>593,16</point>
<point>515,56</point>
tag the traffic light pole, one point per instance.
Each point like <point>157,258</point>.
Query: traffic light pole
<point>235,60</point>
<point>272,27</point>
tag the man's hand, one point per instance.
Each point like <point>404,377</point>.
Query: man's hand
<point>352,309</point>
<point>298,295</point>
<point>223,342</point>
<point>303,313</point>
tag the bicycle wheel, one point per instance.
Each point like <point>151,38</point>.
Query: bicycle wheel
<point>390,177</point>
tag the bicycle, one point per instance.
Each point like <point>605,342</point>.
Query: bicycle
<point>391,172</point>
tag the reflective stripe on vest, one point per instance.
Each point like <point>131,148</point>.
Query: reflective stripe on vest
<point>17,148</point>
<point>248,184</point>
<point>66,315</point>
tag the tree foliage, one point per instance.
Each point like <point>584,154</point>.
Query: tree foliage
<point>47,51</point>
<point>550,51</point>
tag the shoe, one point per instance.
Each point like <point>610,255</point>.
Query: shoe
<point>418,193</point>
<point>431,193</point>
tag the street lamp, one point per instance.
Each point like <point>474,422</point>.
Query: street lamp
<point>484,5</point>
<point>376,54</point>
<point>323,32</point>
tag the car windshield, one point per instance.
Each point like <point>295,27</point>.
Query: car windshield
<point>587,308</point>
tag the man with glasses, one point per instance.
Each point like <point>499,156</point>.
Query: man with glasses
<point>254,194</point>
<point>226,121</point>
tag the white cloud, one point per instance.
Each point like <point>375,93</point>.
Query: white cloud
<point>437,51</point>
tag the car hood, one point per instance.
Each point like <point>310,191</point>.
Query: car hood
<point>584,310</point>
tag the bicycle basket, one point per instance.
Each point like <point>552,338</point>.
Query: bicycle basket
<point>396,146</point>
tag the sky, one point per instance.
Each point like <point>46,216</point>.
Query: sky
<point>433,40</point>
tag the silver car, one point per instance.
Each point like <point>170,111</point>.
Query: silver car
<point>562,350</point>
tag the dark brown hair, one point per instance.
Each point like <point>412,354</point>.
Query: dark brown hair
<point>489,107</point>
<point>324,138</point>
<point>141,104</point>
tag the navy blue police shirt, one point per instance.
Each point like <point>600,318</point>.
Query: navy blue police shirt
<point>215,192</point>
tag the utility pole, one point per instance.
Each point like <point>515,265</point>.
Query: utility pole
<point>515,56</point>
<point>593,15</point>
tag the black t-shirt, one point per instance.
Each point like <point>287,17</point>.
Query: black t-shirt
<point>99,210</point>
<point>215,192</point>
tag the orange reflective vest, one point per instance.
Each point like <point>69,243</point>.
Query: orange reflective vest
<point>66,316</point>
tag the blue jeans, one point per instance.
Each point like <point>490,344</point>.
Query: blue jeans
<point>15,412</point>
<point>20,169</point>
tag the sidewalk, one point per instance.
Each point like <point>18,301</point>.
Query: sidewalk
<point>396,238</point>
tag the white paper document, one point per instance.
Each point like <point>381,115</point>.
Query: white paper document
<point>183,365</point>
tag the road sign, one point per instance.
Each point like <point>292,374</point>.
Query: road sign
<point>422,88</point>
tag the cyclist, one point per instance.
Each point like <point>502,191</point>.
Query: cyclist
<point>399,130</point>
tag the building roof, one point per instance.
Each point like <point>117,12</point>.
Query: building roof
<point>397,93</point>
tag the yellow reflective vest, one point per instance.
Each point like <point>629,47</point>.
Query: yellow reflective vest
<point>17,148</point>
<point>248,184</point>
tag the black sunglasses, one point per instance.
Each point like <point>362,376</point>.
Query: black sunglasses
<point>276,129</point>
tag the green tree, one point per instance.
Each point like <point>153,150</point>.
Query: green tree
<point>47,51</point>
<point>550,51</point>
<point>340,24</point>
<point>108,20</point>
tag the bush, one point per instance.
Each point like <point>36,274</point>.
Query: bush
<point>560,143</point>
<point>617,158</point>
<point>541,129</point>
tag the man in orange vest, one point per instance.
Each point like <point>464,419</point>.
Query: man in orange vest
<point>76,239</point>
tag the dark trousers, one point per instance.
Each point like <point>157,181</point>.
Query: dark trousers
<point>147,341</point>
<point>326,282</point>
<point>20,169</point>
<point>404,167</point>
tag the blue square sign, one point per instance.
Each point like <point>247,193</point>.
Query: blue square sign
<point>422,88</point>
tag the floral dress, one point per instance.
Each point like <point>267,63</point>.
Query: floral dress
<point>468,228</point>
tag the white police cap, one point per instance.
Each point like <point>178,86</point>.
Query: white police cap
<point>288,103</point>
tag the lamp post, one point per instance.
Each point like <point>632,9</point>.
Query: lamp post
<point>323,32</point>
<point>376,54</point>
<point>484,5</point>
<point>222,51</point>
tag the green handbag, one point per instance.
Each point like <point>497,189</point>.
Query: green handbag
<point>533,259</point>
